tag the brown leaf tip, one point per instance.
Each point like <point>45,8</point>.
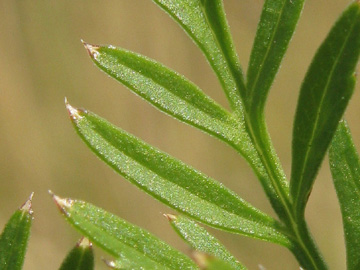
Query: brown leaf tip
<point>110,264</point>
<point>91,49</point>
<point>170,217</point>
<point>63,203</point>
<point>28,204</point>
<point>84,243</point>
<point>74,113</point>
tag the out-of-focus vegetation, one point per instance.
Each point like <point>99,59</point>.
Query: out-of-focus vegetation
<point>42,61</point>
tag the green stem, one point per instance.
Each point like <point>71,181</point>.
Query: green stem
<point>304,249</point>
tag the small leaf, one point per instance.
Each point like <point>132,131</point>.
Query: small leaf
<point>345,169</point>
<point>132,245</point>
<point>200,240</point>
<point>205,22</point>
<point>15,237</point>
<point>324,95</point>
<point>81,257</point>
<point>172,182</point>
<point>275,29</point>
<point>167,91</point>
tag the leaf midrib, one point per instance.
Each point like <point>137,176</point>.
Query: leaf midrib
<point>301,178</point>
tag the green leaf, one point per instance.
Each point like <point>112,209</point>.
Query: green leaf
<point>14,238</point>
<point>81,257</point>
<point>345,169</point>
<point>208,262</point>
<point>173,182</point>
<point>324,95</point>
<point>199,239</point>
<point>168,91</point>
<point>275,29</point>
<point>205,22</point>
<point>132,245</point>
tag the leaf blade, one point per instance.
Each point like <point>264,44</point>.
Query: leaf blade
<point>204,21</point>
<point>168,91</point>
<point>199,239</point>
<point>15,237</point>
<point>277,24</point>
<point>131,244</point>
<point>324,95</point>
<point>172,182</point>
<point>345,170</point>
<point>81,257</point>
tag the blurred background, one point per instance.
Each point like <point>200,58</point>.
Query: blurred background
<point>42,61</point>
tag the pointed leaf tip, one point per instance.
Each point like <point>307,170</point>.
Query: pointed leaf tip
<point>84,243</point>
<point>28,204</point>
<point>74,113</point>
<point>170,217</point>
<point>63,203</point>
<point>91,49</point>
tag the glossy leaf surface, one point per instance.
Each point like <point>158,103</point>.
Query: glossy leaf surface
<point>275,29</point>
<point>204,21</point>
<point>132,245</point>
<point>324,95</point>
<point>345,169</point>
<point>14,238</point>
<point>81,257</point>
<point>173,182</point>
<point>199,239</point>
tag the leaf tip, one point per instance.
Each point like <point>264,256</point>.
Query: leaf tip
<point>84,243</point>
<point>62,203</point>
<point>74,113</point>
<point>110,264</point>
<point>91,49</point>
<point>27,206</point>
<point>170,217</point>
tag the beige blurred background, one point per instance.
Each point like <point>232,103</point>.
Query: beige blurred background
<point>42,60</point>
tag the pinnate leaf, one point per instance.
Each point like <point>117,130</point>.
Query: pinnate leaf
<point>14,238</point>
<point>345,169</point>
<point>200,240</point>
<point>324,95</point>
<point>173,182</point>
<point>135,247</point>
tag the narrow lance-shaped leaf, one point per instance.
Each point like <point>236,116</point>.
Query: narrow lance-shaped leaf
<point>324,95</point>
<point>205,22</point>
<point>275,29</point>
<point>169,92</point>
<point>81,257</point>
<point>132,245</point>
<point>172,182</point>
<point>15,237</point>
<point>200,240</point>
<point>345,169</point>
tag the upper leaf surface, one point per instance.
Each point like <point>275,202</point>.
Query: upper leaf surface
<point>171,181</point>
<point>345,169</point>
<point>132,245</point>
<point>275,29</point>
<point>204,21</point>
<point>199,239</point>
<point>324,95</point>
<point>167,90</point>
<point>14,238</point>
